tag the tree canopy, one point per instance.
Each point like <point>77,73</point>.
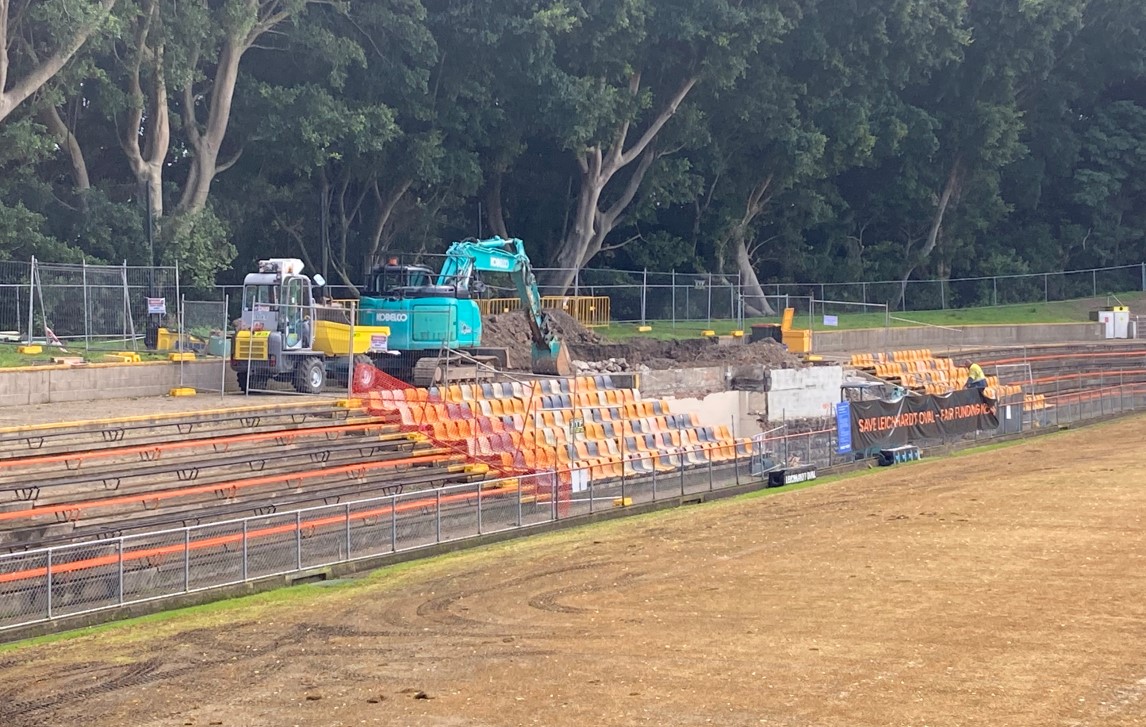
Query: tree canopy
<point>777,140</point>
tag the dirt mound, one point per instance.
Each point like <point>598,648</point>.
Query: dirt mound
<point>688,352</point>
<point>511,331</point>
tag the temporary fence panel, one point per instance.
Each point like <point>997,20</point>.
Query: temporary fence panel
<point>100,307</point>
<point>204,331</point>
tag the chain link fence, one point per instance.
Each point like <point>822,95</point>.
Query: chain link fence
<point>44,585</point>
<point>643,295</point>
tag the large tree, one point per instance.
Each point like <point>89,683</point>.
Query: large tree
<point>619,73</point>
<point>37,38</point>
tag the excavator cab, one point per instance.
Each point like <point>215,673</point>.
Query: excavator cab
<point>399,282</point>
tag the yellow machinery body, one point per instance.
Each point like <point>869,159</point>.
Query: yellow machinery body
<point>798,340</point>
<point>333,339</point>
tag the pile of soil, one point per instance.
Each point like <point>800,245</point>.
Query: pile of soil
<point>511,332</point>
<point>690,352</point>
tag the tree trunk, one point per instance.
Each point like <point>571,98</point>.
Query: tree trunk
<point>600,164</point>
<point>949,189</point>
<point>68,142</point>
<point>755,302</point>
<point>208,142</point>
<point>149,116</point>
<point>494,212</point>
<point>386,205</point>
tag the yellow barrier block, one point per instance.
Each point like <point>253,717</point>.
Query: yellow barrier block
<point>31,350</point>
<point>738,334</point>
<point>622,501</point>
<point>182,391</point>
<point>123,357</point>
<point>644,329</point>
<point>708,334</point>
<point>185,356</point>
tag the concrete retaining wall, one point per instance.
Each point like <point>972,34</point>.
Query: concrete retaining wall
<point>892,339</point>
<point>790,393</point>
<point>684,381</point>
<point>803,393</point>
<point>94,382</point>
<point>737,410</point>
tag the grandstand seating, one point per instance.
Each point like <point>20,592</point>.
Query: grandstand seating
<point>919,371</point>
<point>582,423</point>
<point>79,483</point>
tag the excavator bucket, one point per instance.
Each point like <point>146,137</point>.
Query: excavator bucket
<point>552,362</point>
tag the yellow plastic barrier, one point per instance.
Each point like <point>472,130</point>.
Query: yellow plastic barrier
<point>592,311</point>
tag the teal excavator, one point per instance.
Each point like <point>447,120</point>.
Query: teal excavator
<point>432,317</point>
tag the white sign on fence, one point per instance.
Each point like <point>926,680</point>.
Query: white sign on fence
<point>831,321</point>
<point>156,306</point>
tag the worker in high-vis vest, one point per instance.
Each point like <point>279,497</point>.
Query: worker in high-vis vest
<point>976,379</point>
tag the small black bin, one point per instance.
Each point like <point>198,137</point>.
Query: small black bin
<point>764,331</point>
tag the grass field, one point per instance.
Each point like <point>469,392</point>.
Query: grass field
<point>1070,311</point>
<point>1002,587</point>
<point>10,357</point>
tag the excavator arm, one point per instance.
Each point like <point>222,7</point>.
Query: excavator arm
<point>508,256</point>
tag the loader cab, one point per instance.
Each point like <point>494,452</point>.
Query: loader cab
<point>279,300</point>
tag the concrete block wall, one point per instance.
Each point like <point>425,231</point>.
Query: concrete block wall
<point>94,382</point>
<point>893,339</point>
<point>738,410</point>
<point>803,393</point>
<point>692,382</point>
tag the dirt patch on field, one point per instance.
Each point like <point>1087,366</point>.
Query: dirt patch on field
<point>1000,588</point>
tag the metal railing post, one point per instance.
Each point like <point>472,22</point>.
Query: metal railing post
<point>591,495</point>
<point>654,484</point>
<point>298,539</point>
<point>120,565</point>
<point>555,493</point>
<point>437,516</point>
<point>348,546</point>
<point>186,560</point>
<point>394,523</point>
<point>350,362</point>
<point>519,521</point>
<point>50,585</point>
<point>479,507</point>
<point>681,476</point>
<point>226,340</point>
<point>710,483</point>
<point>644,295</point>
<point>246,552</point>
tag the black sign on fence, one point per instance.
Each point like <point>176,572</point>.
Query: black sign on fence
<point>881,424</point>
